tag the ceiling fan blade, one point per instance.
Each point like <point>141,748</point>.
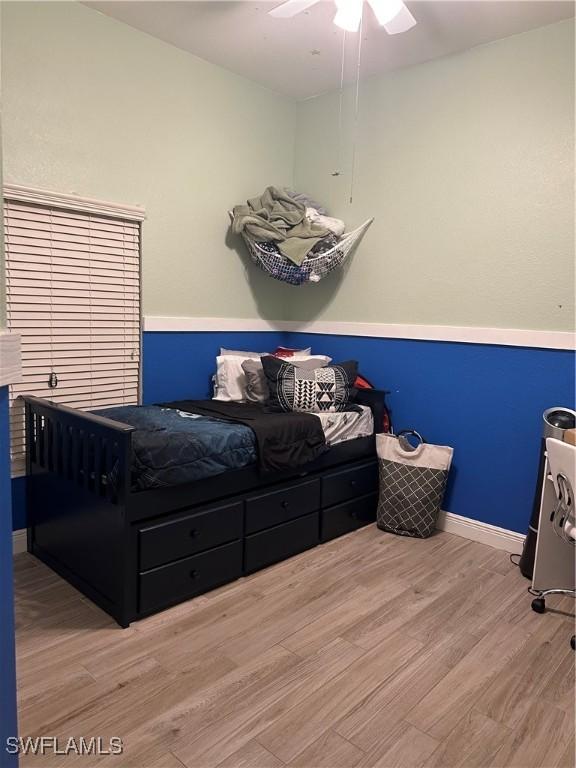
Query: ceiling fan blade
<point>348,14</point>
<point>402,22</point>
<point>291,8</point>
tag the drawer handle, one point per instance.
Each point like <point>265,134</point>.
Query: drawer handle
<point>194,533</point>
<point>284,504</point>
<point>353,483</point>
<point>354,515</point>
<point>193,574</point>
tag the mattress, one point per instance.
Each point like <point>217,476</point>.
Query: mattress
<point>348,425</point>
<point>171,446</point>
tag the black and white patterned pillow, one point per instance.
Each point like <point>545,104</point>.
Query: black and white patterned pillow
<point>318,389</point>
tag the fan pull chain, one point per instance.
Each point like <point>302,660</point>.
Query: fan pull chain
<point>341,104</point>
<point>52,377</point>
<point>356,107</point>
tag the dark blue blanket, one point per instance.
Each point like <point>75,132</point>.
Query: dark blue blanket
<point>171,447</point>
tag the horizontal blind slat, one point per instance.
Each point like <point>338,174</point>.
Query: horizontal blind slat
<point>88,384</point>
<point>41,309</point>
<point>48,249</point>
<point>69,357</point>
<point>103,368</point>
<point>58,291</point>
<point>91,266</point>
<point>29,210</point>
<point>68,227</point>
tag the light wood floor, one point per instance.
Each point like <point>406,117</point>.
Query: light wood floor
<point>372,650</point>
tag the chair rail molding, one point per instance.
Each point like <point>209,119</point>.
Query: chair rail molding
<point>507,337</point>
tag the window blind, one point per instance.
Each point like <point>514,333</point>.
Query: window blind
<point>73,294</point>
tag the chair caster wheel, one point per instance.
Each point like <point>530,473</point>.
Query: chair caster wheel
<point>573,642</point>
<point>539,605</point>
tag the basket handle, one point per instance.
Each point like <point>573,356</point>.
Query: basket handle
<point>411,432</point>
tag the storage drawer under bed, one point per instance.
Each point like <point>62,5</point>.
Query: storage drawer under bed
<point>267,547</point>
<point>189,534</point>
<point>349,483</point>
<point>281,505</point>
<point>347,517</point>
<point>191,576</point>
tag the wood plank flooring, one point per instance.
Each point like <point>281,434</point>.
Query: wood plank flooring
<point>372,650</point>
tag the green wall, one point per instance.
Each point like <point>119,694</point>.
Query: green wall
<point>95,107</point>
<point>467,164</point>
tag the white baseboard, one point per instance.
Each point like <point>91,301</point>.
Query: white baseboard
<point>484,533</point>
<point>19,541</point>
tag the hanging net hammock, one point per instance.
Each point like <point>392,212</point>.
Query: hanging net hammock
<point>325,257</point>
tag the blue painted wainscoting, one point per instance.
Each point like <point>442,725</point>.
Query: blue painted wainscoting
<point>179,365</point>
<point>8,725</point>
<point>486,401</point>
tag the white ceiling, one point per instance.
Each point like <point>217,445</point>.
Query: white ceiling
<point>301,57</point>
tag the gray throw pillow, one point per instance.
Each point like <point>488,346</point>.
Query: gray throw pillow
<point>256,386</point>
<point>257,390</point>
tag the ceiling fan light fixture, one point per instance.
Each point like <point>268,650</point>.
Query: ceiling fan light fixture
<point>393,15</point>
<point>348,14</point>
<point>386,10</point>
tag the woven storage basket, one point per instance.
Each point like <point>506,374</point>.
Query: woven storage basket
<point>412,485</point>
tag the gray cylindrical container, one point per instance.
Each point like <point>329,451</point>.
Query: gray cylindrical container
<point>557,421</point>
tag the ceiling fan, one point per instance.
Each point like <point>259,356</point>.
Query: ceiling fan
<point>391,14</point>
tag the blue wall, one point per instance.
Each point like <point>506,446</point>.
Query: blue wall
<point>485,401</point>
<point>179,365</point>
<point>7,664</point>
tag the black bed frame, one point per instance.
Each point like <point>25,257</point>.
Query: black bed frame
<point>136,553</point>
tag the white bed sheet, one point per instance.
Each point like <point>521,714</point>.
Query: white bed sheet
<point>347,425</point>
